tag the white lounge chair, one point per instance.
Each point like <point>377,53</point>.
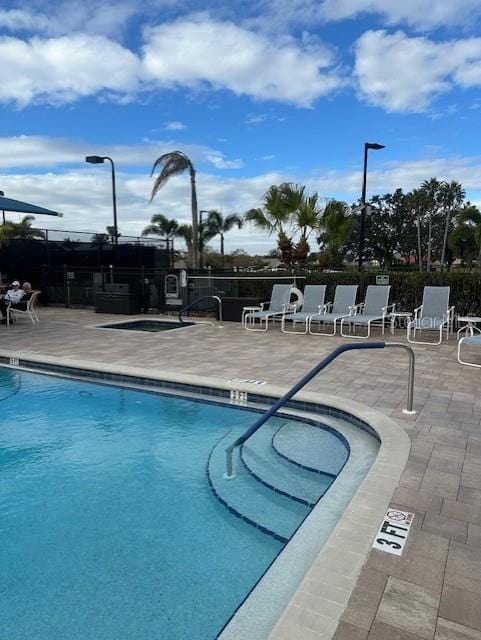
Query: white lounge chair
<point>343,305</point>
<point>313,303</point>
<point>469,341</point>
<point>373,310</point>
<point>29,310</point>
<point>278,305</point>
<point>434,314</point>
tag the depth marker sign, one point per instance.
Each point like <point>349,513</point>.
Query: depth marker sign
<point>393,532</point>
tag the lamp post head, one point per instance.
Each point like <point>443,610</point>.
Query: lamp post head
<point>94,159</point>
<point>374,145</point>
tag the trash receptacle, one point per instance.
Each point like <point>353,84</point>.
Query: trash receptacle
<point>232,307</point>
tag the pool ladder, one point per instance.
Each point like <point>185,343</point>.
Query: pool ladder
<point>189,306</point>
<point>308,377</point>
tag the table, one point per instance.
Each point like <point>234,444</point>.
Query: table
<point>398,314</point>
<point>247,310</point>
<point>470,327</point>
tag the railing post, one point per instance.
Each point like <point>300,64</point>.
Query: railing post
<point>409,409</point>
<point>307,378</point>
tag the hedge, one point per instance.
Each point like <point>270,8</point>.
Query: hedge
<point>406,287</point>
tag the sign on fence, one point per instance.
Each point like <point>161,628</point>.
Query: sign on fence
<point>382,279</point>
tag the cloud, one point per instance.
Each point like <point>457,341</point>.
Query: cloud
<point>85,195</point>
<point>64,69</point>
<point>196,53</point>
<point>268,157</point>
<point>403,74</point>
<point>61,18</point>
<point>201,53</point>
<point>174,125</point>
<point>44,151</point>
<point>418,14</point>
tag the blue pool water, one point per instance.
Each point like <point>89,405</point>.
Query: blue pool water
<point>108,526</point>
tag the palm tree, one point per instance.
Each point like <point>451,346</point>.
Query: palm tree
<point>307,217</point>
<point>160,225</point>
<point>220,226</point>
<point>452,197</point>
<point>6,231</point>
<point>98,241</point>
<point>23,230</point>
<point>185,232</point>
<point>274,216</point>
<point>335,224</point>
<point>417,202</point>
<point>432,189</point>
<point>174,163</point>
<point>471,215</point>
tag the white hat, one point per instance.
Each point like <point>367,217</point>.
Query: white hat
<point>15,283</point>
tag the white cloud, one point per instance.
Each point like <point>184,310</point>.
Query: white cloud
<point>194,53</point>
<point>65,69</point>
<point>85,196</point>
<point>268,157</point>
<point>43,151</point>
<point>403,74</point>
<point>202,53</point>
<point>418,14</point>
<point>175,125</point>
<point>61,18</point>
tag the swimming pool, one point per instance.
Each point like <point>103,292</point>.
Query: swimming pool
<point>152,326</point>
<point>113,509</point>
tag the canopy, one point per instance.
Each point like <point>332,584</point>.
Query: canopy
<point>7,204</point>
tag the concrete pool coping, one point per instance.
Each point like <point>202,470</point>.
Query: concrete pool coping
<point>317,606</point>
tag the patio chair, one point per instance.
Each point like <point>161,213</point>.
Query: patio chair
<point>470,341</point>
<point>343,305</point>
<point>434,314</point>
<point>278,305</point>
<point>13,312</point>
<point>313,303</point>
<point>374,309</point>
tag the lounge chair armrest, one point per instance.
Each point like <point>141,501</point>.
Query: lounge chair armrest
<point>357,308</point>
<point>264,305</point>
<point>328,306</point>
<point>352,309</point>
<point>417,312</point>
<point>389,308</point>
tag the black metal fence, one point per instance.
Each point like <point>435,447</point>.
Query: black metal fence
<point>55,248</point>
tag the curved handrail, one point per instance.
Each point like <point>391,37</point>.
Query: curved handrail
<point>309,376</point>
<point>189,306</point>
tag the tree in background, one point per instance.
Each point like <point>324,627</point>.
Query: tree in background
<point>23,230</point>
<point>452,197</point>
<point>220,226</point>
<point>161,226</point>
<point>336,224</point>
<point>274,217</point>
<point>174,163</point>
<point>470,215</point>
<point>462,242</point>
<point>307,218</point>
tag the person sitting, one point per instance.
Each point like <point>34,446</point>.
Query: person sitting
<point>12,297</point>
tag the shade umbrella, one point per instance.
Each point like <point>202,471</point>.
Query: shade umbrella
<point>8,204</point>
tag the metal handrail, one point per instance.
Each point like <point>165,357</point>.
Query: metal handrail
<point>189,306</point>
<point>309,376</point>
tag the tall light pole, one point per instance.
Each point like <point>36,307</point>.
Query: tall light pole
<point>367,146</point>
<point>101,160</point>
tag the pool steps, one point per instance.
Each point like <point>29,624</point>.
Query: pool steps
<point>269,491</point>
<point>276,472</point>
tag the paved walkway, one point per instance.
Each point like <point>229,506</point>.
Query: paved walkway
<point>431,592</point>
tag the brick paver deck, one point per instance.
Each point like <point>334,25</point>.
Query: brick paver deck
<point>431,592</point>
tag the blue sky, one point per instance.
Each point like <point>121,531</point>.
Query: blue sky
<point>255,93</point>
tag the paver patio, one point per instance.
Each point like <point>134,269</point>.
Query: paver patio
<point>431,592</point>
